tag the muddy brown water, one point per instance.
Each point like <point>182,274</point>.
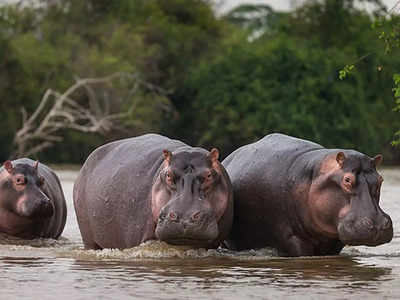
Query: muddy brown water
<point>48,269</point>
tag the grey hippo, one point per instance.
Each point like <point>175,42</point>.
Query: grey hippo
<point>152,187</point>
<point>32,202</point>
<point>303,199</point>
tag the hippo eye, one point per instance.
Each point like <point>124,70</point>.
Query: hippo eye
<point>349,179</point>
<point>170,178</point>
<point>206,177</point>
<point>348,182</point>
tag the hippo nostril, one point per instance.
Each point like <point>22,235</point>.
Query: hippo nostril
<point>173,216</point>
<point>196,216</point>
<point>44,209</point>
<point>367,223</point>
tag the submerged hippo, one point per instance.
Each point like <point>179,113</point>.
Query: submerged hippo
<point>303,199</point>
<point>32,202</point>
<point>152,187</point>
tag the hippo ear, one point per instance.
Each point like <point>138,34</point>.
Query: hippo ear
<point>36,165</point>
<point>213,155</point>
<point>8,166</point>
<point>378,160</point>
<point>340,157</point>
<point>167,156</point>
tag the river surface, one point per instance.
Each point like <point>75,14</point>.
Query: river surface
<point>49,269</point>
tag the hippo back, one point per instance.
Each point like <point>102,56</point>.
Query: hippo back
<point>270,160</point>
<point>272,150</point>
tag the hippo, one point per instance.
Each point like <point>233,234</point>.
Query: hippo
<point>32,203</point>
<point>303,199</point>
<point>152,187</point>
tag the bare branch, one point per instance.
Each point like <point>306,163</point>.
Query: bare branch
<point>59,111</point>
<point>93,103</point>
<point>24,115</point>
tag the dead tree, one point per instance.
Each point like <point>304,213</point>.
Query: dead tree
<point>59,111</point>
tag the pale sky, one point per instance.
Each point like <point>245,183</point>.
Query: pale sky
<point>226,5</point>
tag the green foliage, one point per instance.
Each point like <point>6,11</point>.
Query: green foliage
<point>51,45</point>
<point>396,90</point>
<point>396,79</point>
<point>345,71</point>
<point>231,80</point>
<point>286,81</point>
<point>388,28</point>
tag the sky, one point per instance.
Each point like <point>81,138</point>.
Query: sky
<point>226,5</point>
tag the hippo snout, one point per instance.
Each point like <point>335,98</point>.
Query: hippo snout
<point>198,228</point>
<point>37,208</point>
<point>44,209</point>
<point>366,231</point>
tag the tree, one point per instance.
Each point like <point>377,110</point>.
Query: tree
<point>387,27</point>
<point>389,32</point>
<point>50,45</point>
<point>286,80</point>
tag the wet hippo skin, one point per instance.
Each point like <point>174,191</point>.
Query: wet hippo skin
<point>32,202</point>
<point>152,187</point>
<point>303,199</point>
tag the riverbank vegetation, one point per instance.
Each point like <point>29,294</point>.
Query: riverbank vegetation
<point>225,80</point>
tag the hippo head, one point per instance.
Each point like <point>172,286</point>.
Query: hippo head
<point>345,200</point>
<point>190,197</point>
<point>20,192</point>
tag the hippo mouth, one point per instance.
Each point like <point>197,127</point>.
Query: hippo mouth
<point>376,240</point>
<point>190,234</point>
<point>190,242</point>
<point>364,233</point>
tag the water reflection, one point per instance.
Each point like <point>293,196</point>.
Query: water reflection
<point>342,271</point>
<point>329,268</point>
<point>23,262</point>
